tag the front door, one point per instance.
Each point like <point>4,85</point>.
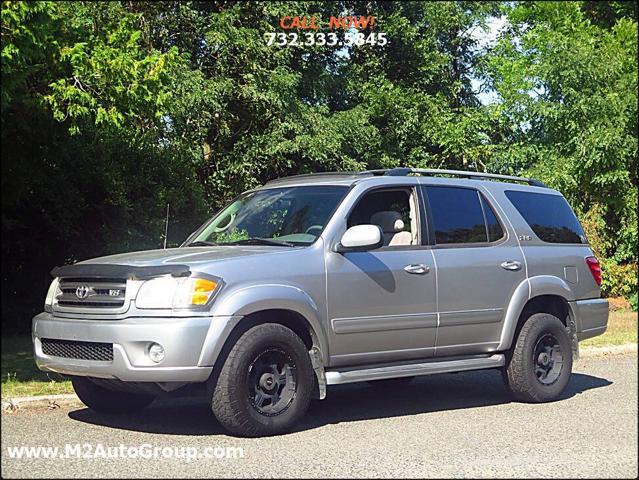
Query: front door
<point>382,303</point>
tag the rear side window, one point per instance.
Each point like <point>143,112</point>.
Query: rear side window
<point>549,216</point>
<point>461,215</point>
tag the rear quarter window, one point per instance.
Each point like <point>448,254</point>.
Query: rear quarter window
<point>549,216</point>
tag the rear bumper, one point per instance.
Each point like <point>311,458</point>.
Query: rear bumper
<point>591,317</point>
<point>182,339</point>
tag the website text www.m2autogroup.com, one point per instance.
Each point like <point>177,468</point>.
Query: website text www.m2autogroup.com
<point>90,451</point>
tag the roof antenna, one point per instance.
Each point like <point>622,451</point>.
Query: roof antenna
<point>166,225</point>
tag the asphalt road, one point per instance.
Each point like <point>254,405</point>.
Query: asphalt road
<point>447,425</point>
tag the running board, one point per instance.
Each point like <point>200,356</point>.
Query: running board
<point>414,369</point>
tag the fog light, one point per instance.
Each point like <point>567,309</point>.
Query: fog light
<point>156,352</point>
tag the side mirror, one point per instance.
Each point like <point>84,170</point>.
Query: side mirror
<point>361,238</point>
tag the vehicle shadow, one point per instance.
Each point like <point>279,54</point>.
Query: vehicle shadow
<point>345,403</point>
<point>180,415</point>
<point>372,266</point>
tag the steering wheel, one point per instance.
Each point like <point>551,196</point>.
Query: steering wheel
<point>222,229</point>
<point>310,229</point>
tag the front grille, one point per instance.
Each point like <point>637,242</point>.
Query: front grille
<point>78,350</point>
<point>92,292</point>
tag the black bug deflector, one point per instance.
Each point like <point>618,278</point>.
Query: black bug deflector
<point>96,270</point>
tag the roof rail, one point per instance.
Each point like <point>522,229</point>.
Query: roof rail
<point>402,171</point>
<point>319,174</point>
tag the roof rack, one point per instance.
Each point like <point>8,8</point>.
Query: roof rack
<point>402,172</point>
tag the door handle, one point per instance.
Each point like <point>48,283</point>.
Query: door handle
<point>417,268</point>
<point>511,265</point>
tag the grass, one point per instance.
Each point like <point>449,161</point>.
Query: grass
<point>21,377</point>
<point>622,328</point>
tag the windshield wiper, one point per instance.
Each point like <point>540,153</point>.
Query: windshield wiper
<point>202,243</point>
<point>262,241</point>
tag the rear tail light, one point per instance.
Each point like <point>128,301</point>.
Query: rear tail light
<point>595,268</point>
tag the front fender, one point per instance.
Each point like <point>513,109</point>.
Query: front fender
<point>526,290</point>
<point>235,305</point>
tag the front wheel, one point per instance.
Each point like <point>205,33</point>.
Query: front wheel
<point>541,362</point>
<point>265,384</point>
<point>103,400</point>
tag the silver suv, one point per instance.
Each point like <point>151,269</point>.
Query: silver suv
<point>332,278</point>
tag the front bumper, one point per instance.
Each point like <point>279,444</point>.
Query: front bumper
<point>182,339</point>
<point>591,317</point>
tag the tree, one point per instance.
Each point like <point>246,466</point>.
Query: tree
<point>569,91</point>
<point>112,110</point>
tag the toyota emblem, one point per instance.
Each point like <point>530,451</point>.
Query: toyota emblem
<point>82,292</point>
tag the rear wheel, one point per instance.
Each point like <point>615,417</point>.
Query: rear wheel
<point>541,362</point>
<point>265,384</point>
<point>104,400</point>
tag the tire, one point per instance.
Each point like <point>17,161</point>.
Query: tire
<point>541,362</point>
<point>265,384</point>
<point>103,400</point>
<point>391,382</point>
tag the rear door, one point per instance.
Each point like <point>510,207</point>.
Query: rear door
<point>479,264</point>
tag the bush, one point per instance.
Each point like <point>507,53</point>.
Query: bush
<point>633,302</point>
<point>618,280</point>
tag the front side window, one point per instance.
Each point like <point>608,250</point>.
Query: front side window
<point>394,211</point>
<point>284,216</point>
<point>462,215</point>
<point>549,216</point>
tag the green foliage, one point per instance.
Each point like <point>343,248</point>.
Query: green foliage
<point>104,189</point>
<point>569,89</point>
<point>633,301</point>
<point>111,79</point>
<point>28,41</point>
<point>566,73</point>
<point>232,236</point>
<point>111,110</point>
<point>618,280</point>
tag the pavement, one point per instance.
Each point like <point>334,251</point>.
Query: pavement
<point>454,425</point>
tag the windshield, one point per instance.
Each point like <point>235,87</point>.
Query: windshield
<point>278,216</point>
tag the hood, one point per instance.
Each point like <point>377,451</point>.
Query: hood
<point>190,256</point>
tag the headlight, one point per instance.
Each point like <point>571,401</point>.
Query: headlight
<point>171,292</point>
<point>51,293</point>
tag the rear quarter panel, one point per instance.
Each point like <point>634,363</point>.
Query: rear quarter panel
<point>564,261</point>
